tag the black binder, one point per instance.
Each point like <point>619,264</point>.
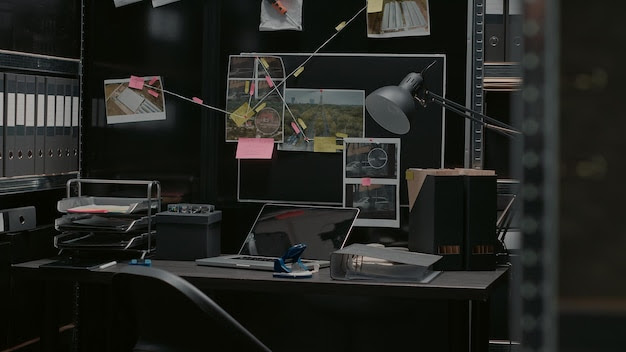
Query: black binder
<point>10,154</point>
<point>59,120</point>
<point>67,144</point>
<point>2,124</point>
<point>50,140</point>
<point>40,126</point>
<point>436,221</point>
<point>28,145</point>
<point>480,221</point>
<point>75,138</point>
<point>514,40</point>
<point>20,127</point>
<point>495,37</point>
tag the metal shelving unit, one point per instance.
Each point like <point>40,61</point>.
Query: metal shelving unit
<point>483,76</point>
<point>30,63</point>
<point>474,131</point>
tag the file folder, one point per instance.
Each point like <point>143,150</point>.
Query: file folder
<point>20,126</point>
<point>75,133</point>
<point>2,123</point>
<point>28,158</point>
<point>66,143</point>
<point>49,140</point>
<point>9,139</point>
<point>40,126</point>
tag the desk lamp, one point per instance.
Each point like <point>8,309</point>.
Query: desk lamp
<point>390,106</point>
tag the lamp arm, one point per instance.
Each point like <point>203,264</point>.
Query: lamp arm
<point>492,123</point>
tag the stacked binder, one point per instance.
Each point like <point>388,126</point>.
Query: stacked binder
<point>39,125</point>
<point>453,214</point>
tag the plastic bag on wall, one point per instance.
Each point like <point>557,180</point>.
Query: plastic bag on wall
<point>279,15</point>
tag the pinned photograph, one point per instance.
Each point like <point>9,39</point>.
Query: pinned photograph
<point>371,179</point>
<point>388,19</point>
<point>317,120</point>
<point>371,159</point>
<point>255,98</point>
<point>377,203</point>
<point>134,99</point>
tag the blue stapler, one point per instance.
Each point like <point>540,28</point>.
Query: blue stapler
<point>298,269</point>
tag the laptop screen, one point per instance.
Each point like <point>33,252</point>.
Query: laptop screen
<point>322,229</point>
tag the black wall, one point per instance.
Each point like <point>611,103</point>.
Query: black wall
<point>188,43</point>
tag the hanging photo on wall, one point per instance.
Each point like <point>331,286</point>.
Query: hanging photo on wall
<point>388,19</point>
<point>255,98</point>
<point>371,180</point>
<point>317,120</point>
<point>134,99</point>
<point>281,15</point>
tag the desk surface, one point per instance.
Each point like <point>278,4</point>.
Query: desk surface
<point>462,285</point>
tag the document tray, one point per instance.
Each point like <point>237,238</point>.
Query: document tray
<point>98,223</point>
<point>105,205</point>
<point>112,241</point>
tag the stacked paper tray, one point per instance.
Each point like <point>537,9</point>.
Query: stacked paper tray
<point>99,223</point>
<point>97,241</point>
<point>106,205</point>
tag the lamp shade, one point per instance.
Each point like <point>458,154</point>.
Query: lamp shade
<point>391,106</point>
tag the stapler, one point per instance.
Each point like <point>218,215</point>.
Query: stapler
<point>298,269</point>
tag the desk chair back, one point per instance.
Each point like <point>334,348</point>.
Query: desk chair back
<point>158,311</point>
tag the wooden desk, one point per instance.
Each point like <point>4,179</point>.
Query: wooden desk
<point>468,323</point>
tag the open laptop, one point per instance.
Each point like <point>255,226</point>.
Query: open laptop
<point>322,229</point>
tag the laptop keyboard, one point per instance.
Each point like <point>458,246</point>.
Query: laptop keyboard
<point>260,259</point>
<point>265,259</point>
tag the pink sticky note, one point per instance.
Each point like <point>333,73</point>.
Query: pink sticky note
<point>366,181</point>
<point>135,82</point>
<point>252,88</point>
<point>197,100</point>
<point>255,148</point>
<point>154,79</point>
<point>295,127</point>
<point>269,81</point>
<point>153,93</point>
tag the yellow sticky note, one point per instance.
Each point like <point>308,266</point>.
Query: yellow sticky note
<point>242,113</point>
<point>409,175</point>
<point>264,63</point>
<point>340,26</point>
<point>302,124</point>
<point>374,6</point>
<point>325,145</point>
<point>246,88</point>
<point>298,71</point>
<point>341,135</point>
<point>260,107</point>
